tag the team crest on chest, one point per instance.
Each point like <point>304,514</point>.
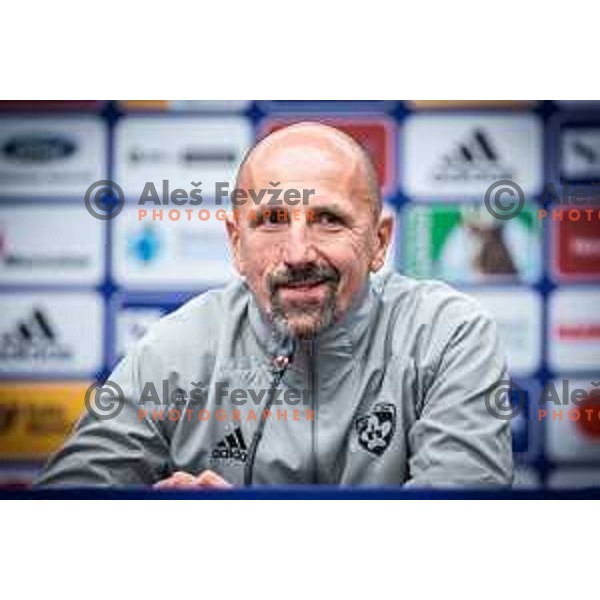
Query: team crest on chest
<point>376,429</point>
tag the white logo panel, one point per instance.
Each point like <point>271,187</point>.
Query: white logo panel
<point>181,150</point>
<point>54,333</point>
<point>50,245</point>
<point>170,255</point>
<point>44,157</point>
<point>574,329</point>
<point>518,313</point>
<point>461,156</point>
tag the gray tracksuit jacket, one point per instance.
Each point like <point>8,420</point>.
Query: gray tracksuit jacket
<point>394,393</point>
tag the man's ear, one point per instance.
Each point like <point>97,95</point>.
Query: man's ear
<point>233,235</point>
<point>383,232</point>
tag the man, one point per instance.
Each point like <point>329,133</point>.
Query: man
<point>385,377</point>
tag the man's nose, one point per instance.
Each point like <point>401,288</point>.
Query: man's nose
<point>299,248</point>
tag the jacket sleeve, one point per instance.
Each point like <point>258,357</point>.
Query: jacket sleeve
<point>456,440</point>
<point>123,450</point>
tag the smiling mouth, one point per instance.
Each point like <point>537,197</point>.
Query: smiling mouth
<point>314,291</point>
<point>303,285</point>
<point>312,284</point>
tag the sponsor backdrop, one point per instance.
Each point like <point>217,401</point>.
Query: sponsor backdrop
<point>76,292</point>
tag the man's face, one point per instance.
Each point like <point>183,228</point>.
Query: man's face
<point>307,267</point>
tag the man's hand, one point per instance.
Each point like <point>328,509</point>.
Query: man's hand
<point>181,479</point>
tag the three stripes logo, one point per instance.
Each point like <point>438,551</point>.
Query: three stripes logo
<point>586,152</point>
<point>34,338</point>
<point>231,448</point>
<point>474,159</point>
<point>580,155</point>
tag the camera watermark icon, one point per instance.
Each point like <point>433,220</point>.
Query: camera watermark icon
<point>104,199</point>
<point>504,199</point>
<point>104,402</point>
<point>505,400</point>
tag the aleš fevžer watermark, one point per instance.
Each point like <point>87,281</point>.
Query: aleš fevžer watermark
<point>105,199</point>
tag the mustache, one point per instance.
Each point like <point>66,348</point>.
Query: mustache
<point>308,275</point>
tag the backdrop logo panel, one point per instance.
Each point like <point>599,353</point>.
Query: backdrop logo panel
<point>462,155</point>
<point>181,150</point>
<point>42,244</point>
<point>51,332</point>
<point>574,329</point>
<point>576,249</point>
<point>35,418</point>
<point>462,243</point>
<point>519,317</point>
<point>170,254</point>
<point>57,156</point>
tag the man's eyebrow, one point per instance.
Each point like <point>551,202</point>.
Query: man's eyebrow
<point>257,214</point>
<point>330,207</point>
<point>336,209</point>
<point>261,209</point>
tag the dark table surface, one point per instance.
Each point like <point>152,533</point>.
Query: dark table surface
<point>294,492</point>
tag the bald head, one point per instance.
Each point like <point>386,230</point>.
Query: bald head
<point>308,150</point>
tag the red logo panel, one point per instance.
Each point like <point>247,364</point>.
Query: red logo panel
<point>577,248</point>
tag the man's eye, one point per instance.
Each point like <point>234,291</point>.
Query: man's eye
<point>327,218</point>
<point>272,220</point>
<point>275,219</point>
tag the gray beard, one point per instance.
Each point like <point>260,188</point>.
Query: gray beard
<point>320,318</point>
